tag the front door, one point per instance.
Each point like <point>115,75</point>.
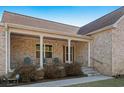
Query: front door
<point>65,56</point>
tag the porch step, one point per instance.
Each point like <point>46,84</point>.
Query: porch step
<point>90,71</point>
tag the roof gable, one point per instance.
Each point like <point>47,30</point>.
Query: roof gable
<point>9,17</point>
<point>102,22</point>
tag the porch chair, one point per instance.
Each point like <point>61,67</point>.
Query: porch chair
<point>27,61</point>
<point>56,60</point>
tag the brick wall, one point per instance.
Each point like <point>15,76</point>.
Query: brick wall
<point>2,51</point>
<point>101,52</point>
<point>118,49</point>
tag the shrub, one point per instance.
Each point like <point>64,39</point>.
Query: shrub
<point>28,72</point>
<point>73,69</point>
<point>60,72</point>
<point>53,71</point>
<point>38,75</point>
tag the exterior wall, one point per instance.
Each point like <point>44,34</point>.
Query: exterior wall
<point>80,50</point>
<point>23,46</point>
<point>2,52</point>
<point>118,49</point>
<point>101,52</point>
<point>81,53</point>
<point>57,48</point>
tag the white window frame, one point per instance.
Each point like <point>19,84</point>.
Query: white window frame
<point>45,50</point>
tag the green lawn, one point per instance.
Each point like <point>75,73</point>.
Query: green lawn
<point>103,83</point>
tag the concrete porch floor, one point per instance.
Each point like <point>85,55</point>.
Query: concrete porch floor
<point>67,82</point>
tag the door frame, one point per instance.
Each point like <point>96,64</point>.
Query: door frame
<point>65,54</point>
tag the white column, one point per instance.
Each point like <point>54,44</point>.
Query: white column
<point>69,50</point>
<point>41,51</point>
<point>89,54</point>
<point>6,53</point>
<point>9,64</point>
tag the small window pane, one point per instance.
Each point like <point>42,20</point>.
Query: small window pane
<point>66,57</point>
<point>71,50</point>
<point>66,49</point>
<point>37,54</point>
<point>37,46</point>
<point>71,57</point>
<point>48,54</point>
<point>48,48</point>
<point>71,54</point>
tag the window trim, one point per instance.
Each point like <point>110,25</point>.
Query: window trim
<point>44,52</point>
<point>50,51</point>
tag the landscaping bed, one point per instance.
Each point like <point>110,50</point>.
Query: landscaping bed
<point>47,80</point>
<point>29,74</point>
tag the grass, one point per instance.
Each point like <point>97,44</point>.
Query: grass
<point>103,83</point>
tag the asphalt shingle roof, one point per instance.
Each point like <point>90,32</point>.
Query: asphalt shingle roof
<point>102,22</point>
<point>10,17</point>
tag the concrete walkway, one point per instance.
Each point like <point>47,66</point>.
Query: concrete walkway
<point>67,82</point>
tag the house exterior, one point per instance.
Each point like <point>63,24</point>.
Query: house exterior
<point>98,44</point>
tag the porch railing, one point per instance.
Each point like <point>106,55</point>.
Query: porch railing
<point>97,61</point>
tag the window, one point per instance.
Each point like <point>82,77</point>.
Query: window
<point>37,50</point>
<point>71,53</point>
<point>48,51</point>
<point>66,53</point>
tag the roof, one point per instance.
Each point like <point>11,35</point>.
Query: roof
<point>106,20</point>
<point>10,17</point>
